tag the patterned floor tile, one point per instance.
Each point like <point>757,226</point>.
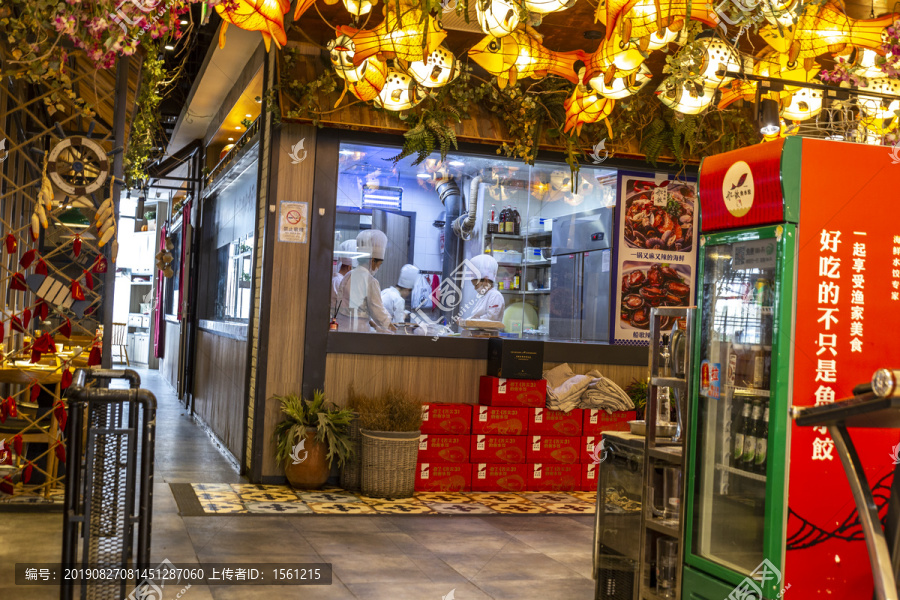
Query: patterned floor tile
<point>371,500</point>
<point>249,488</point>
<point>217,496</point>
<point>337,508</point>
<point>494,497</point>
<point>287,508</point>
<point>570,508</point>
<point>221,508</point>
<point>550,498</point>
<point>212,487</point>
<point>329,497</point>
<point>443,498</point>
<point>402,508</point>
<point>586,496</point>
<point>461,508</point>
<point>520,508</point>
<point>270,496</point>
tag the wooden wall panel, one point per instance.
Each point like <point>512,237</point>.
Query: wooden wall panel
<point>168,364</point>
<point>220,372</point>
<point>433,379</point>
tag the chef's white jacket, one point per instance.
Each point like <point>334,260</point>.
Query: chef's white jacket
<point>360,296</point>
<point>394,304</point>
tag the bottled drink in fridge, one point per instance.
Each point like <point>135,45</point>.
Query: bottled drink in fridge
<point>740,431</point>
<point>517,279</point>
<point>492,225</point>
<point>761,364</point>
<point>751,436</point>
<point>759,463</point>
<point>517,221</point>
<point>502,224</point>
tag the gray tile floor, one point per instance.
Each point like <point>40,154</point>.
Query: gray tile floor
<point>377,558</point>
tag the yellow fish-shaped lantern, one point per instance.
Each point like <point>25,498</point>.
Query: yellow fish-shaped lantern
<point>780,13</point>
<point>615,58</point>
<point>519,55</point>
<point>439,69</point>
<point>879,108</point>
<point>684,98</point>
<point>865,64</point>
<point>719,58</point>
<point>622,87</point>
<point>399,92</point>
<point>264,16</point>
<point>825,31</point>
<point>585,106</point>
<point>643,21</point>
<point>403,38</point>
<point>545,7</point>
<point>497,17</point>
<point>364,81</point>
<point>804,104</point>
<point>770,63</point>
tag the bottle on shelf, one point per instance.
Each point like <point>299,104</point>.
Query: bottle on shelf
<point>761,364</point>
<point>759,463</point>
<point>502,225</point>
<point>510,226</point>
<point>492,225</point>
<point>517,278</point>
<point>739,428</point>
<point>749,456</point>
<point>517,222</point>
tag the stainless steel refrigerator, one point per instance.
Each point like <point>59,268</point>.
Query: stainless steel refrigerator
<point>580,276</point>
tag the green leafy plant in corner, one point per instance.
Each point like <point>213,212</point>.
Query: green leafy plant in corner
<point>637,391</point>
<point>331,425</point>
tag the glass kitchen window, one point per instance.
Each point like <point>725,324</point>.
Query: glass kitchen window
<point>735,387</point>
<point>552,244</point>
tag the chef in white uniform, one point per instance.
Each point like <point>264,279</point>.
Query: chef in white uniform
<point>346,263</point>
<point>489,303</point>
<point>394,297</point>
<point>360,293</point>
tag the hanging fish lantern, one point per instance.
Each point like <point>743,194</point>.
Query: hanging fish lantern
<point>804,104</point>
<point>780,13</point>
<point>719,57</point>
<point>688,99</point>
<point>622,87</point>
<point>404,37</point>
<point>615,58</point>
<point>879,108</point>
<point>497,17</point>
<point>585,106</point>
<point>439,69</point>
<point>399,92</point>
<point>545,7</point>
<point>646,21</point>
<point>357,8</point>
<point>662,38</point>
<point>264,16</point>
<point>770,63</point>
<point>519,55</point>
<point>364,81</point>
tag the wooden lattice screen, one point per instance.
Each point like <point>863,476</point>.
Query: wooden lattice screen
<point>53,285</point>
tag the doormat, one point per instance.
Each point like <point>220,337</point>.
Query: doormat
<point>217,499</point>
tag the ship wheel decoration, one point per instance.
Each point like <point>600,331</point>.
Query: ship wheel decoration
<point>78,166</point>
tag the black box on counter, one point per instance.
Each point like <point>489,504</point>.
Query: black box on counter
<point>515,359</point>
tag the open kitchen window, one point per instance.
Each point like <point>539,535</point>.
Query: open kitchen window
<point>552,243</point>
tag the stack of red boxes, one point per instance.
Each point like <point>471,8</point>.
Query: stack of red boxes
<point>513,442</point>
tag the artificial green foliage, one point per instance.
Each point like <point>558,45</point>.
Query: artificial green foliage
<point>331,425</point>
<point>145,127</point>
<point>308,96</point>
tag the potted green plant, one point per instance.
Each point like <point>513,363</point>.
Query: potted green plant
<point>390,424</point>
<point>313,434</point>
<point>150,217</point>
<point>637,391</point>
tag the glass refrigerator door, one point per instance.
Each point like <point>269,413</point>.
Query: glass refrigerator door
<point>735,352</point>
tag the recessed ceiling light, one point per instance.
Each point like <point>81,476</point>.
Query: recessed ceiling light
<point>249,116</point>
<point>457,163</point>
<point>423,175</point>
<point>238,128</point>
<point>182,22</point>
<point>230,139</point>
<point>169,47</point>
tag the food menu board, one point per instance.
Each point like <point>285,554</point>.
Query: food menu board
<point>657,250</point>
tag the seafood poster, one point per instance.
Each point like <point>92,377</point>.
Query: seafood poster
<point>657,257</point>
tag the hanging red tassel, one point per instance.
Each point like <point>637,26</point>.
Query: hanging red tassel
<point>5,454</point>
<point>45,343</point>
<point>94,357</point>
<point>88,279</point>
<point>3,413</point>
<point>11,243</point>
<point>35,355</point>
<point>77,292</point>
<point>35,392</point>
<point>66,329</point>
<point>16,324</point>
<point>43,308</point>
<point>26,472</point>
<point>11,408</point>
<point>100,265</point>
<point>18,282</point>
<point>17,444</point>
<point>76,245</point>
<point>41,268</point>
<point>2,330</point>
<point>26,317</point>
<point>7,486</point>
<point>59,410</point>
<point>60,452</point>
<point>27,258</point>
<point>66,380</point>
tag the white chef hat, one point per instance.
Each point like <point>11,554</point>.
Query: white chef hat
<point>348,246</point>
<point>408,275</point>
<point>485,266</point>
<point>373,242</point>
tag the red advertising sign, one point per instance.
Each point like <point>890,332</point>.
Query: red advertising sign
<point>847,306</point>
<point>742,188</point>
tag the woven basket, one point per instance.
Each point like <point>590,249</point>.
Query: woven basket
<point>389,463</point>
<point>350,472</point>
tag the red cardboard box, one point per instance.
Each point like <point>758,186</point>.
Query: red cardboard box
<point>500,420</point>
<point>444,448</point>
<point>587,448</point>
<point>499,478</point>
<point>543,421</point>
<point>589,474</point>
<point>596,421</point>
<point>554,477</point>
<point>443,477</point>
<point>498,448</point>
<point>496,391</point>
<point>554,449</point>
<point>447,419</point>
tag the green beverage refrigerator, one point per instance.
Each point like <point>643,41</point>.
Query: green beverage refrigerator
<point>797,288</point>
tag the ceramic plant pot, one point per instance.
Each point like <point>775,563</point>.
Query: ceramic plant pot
<point>307,468</point>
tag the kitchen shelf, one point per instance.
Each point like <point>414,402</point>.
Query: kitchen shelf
<point>526,292</point>
<point>531,263</point>
<point>741,473</point>
<point>511,236</point>
<point>743,391</point>
<point>659,526</point>
<point>670,382</point>
<point>672,454</point>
